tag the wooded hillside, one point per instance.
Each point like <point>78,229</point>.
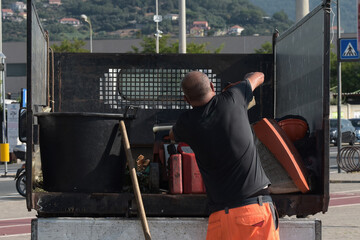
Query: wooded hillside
<point>123,18</point>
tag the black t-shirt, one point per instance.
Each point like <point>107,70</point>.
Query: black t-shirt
<point>221,137</point>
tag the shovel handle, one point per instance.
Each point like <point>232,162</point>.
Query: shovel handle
<point>134,181</point>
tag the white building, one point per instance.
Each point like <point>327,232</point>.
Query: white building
<point>172,17</point>
<point>235,30</point>
<point>71,21</point>
<point>18,6</point>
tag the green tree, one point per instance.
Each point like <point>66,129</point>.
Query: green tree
<point>111,15</point>
<point>333,69</point>
<point>266,48</point>
<point>281,16</point>
<point>165,46</point>
<point>68,46</point>
<point>350,72</point>
<point>350,75</point>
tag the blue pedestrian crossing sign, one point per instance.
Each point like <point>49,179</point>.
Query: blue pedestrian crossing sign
<point>348,49</point>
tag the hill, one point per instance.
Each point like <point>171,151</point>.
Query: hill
<point>113,18</point>
<point>134,19</point>
<point>347,8</point>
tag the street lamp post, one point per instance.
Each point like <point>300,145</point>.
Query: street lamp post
<point>86,19</point>
<point>182,26</point>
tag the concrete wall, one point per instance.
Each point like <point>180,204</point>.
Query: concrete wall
<point>160,229</point>
<point>347,111</point>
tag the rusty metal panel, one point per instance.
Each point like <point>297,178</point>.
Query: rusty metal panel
<point>109,82</point>
<point>56,204</point>
<point>81,204</point>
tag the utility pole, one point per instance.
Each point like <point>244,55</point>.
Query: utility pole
<point>339,137</point>
<point>182,26</point>
<point>4,147</point>
<point>157,19</point>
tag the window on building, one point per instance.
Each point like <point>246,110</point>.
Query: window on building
<point>16,69</point>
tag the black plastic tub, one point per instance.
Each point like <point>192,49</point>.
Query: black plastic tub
<point>81,152</point>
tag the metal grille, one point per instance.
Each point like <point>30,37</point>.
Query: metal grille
<point>147,88</point>
<point>37,68</point>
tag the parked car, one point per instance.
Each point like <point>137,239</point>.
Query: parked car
<point>347,130</point>
<point>20,151</point>
<point>356,123</point>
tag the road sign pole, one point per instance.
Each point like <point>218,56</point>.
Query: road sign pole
<point>339,140</point>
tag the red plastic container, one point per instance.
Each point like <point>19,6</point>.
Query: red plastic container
<point>192,180</point>
<point>295,129</point>
<point>175,174</point>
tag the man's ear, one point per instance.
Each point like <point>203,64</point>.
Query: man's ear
<point>186,99</point>
<point>212,86</point>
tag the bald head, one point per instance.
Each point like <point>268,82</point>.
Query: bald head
<point>197,88</point>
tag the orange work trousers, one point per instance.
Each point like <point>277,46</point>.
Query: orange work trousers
<point>252,221</point>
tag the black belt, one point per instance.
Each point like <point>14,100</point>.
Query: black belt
<point>259,199</point>
<point>248,201</point>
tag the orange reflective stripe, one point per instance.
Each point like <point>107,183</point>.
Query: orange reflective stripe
<point>247,222</point>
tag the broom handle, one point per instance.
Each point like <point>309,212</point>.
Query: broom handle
<point>134,181</point>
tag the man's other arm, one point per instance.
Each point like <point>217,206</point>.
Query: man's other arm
<point>255,80</point>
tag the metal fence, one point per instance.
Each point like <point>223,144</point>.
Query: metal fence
<point>107,83</point>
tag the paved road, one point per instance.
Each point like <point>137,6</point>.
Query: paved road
<point>7,186</point>
<point>15,220</point>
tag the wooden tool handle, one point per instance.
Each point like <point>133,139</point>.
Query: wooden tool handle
<point>134,180</point>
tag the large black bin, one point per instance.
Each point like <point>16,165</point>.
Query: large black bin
<point>81,152</point>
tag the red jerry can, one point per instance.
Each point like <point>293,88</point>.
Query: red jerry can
<point>175,174</point>
<point>192,180</point>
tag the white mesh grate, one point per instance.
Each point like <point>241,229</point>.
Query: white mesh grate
<point>147,88</point>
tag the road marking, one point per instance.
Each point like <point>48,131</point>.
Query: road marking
<point>15,235</point>
<point>348,191</point>
<point>10,219</point>
<point>345,205</point>
<point>11,196</point>
<point>344,198</point>
<point>16,221</point>
<point>15,227</point>
<point>7,179</point>
<point>18,225</point>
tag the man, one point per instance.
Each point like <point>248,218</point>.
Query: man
<point>218,131</point>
